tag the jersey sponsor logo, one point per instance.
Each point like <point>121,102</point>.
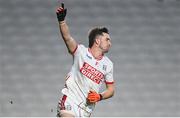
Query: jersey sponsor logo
<point>91,73</point>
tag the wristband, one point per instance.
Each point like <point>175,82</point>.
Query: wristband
<point>61,22</point>
<point>101,97</point>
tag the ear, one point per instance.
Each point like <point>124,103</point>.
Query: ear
<point>97,41</point>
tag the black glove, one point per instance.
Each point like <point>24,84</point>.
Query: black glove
<point>61,13</point>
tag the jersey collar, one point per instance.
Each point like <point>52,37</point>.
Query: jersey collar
<point>99,58</point>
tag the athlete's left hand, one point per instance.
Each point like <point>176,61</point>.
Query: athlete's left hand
<point>94,97</point>
<point>61,13</point>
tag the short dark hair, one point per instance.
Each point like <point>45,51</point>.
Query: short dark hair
<point>95,32</point>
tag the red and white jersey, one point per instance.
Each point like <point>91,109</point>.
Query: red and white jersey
<point>87,73</point>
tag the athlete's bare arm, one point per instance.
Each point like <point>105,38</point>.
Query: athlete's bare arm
<point>69,41</point>
<point>64,30</point>
<point>94,97</point>
<point>109,92</point>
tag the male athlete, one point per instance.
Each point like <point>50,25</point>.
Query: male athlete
<point>90,69</point>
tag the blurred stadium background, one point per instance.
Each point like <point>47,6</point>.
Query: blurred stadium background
<point>146,54</point>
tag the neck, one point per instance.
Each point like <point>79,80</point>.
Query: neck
<point>97,54</point>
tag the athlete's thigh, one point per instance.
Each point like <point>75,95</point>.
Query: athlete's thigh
<point>65,113</point>
<point>66,108</point>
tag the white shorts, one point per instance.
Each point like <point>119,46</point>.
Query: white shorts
<point>66,105</point>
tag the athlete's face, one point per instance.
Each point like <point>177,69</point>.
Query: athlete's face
<point>105,42</point>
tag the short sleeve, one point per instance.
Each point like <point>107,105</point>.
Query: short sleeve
<point>109,77</point>
<point>79,48</point>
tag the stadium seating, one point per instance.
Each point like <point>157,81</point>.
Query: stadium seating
<point>145,51</point>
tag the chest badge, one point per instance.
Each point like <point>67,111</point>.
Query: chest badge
<point>104,67</point>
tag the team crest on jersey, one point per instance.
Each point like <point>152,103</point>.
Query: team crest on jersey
<point>104,67</point>
<point>91,73</point>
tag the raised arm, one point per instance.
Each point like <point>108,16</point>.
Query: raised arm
<point>64,30</point>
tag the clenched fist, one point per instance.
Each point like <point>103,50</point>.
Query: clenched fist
<point>94,97</point>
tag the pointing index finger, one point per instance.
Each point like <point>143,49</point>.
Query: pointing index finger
<point>62,5</point>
